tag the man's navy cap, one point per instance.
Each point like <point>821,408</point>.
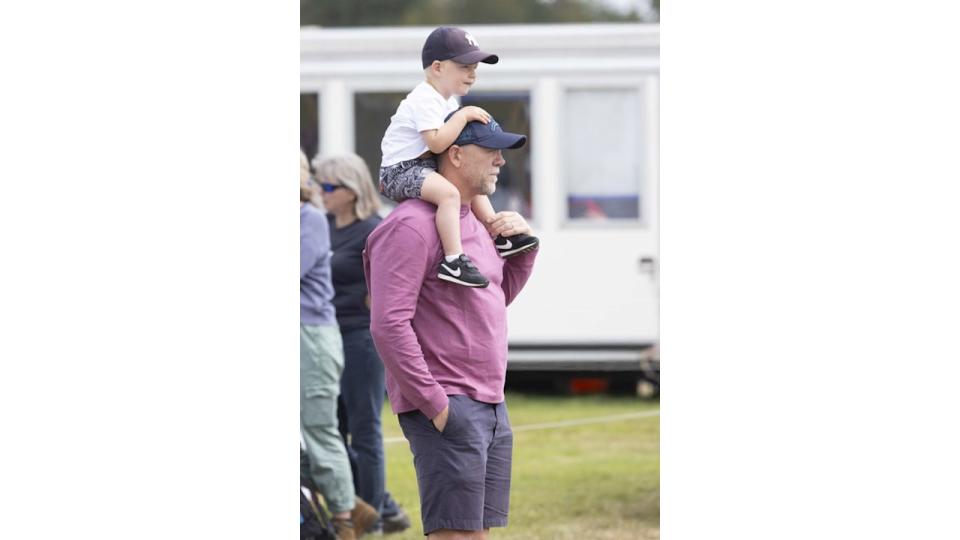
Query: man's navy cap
<point>451,43</point>
<point>488,135</point>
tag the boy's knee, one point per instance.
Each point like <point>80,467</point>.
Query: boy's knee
<point>448,193</point>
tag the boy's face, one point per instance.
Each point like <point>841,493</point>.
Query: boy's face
<point>456,79</point>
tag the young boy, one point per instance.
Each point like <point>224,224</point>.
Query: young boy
<point>417,132</point>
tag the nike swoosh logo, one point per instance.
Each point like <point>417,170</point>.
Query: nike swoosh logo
<point>452,273</point>
<point>508,245</point>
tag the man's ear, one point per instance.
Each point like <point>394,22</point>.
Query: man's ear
<point>454,155</point>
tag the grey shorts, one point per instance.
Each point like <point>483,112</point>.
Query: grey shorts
<point>403,180</point>
<point>463,473</point>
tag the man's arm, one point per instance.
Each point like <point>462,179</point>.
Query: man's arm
<point>398,260</point>
<point>517,269</point>
<point>516,272</point>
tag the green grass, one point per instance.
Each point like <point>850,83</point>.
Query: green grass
<point>594,481</point>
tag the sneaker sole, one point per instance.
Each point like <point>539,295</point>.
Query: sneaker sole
<point>519,250</point>
<point>452,279</point>
<point>395,524</point>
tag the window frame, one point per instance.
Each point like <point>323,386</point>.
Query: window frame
<point>639,86</point>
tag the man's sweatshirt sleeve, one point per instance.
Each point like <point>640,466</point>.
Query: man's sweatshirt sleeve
<point>516,272</point>
<point>397,262</point>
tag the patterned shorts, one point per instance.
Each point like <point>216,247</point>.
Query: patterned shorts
<point>403,180</point>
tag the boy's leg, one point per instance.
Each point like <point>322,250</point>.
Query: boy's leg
<point>481,207</point>
<point>507,246</point>
<point>456,266</point>
<point>437,190</point>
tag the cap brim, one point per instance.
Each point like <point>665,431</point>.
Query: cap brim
<point>473,57</point>
<point>503,140</point>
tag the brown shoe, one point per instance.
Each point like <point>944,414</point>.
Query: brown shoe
<point>363,516</point>
<point>344,529</point>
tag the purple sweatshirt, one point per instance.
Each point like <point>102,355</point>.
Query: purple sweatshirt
<point>437,338</point>
<point>316,291</point>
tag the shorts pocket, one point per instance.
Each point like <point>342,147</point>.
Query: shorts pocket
<point>452,416</point>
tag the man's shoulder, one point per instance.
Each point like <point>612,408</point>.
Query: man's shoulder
<point>411,212</point>
<point>413,217</point>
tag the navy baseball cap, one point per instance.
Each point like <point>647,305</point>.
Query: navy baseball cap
<point>451,43</point>
<point>488,135</point>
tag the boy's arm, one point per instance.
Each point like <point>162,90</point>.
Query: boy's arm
<point>439,139</point>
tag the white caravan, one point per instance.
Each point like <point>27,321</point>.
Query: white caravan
<point>587,97</point>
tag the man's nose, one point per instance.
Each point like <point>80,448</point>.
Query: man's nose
<point>499,161</point>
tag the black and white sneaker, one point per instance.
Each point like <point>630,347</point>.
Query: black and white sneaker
<point>508,246</point>
<point>462,272</point>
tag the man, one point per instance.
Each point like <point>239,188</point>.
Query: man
<point>445,347</point>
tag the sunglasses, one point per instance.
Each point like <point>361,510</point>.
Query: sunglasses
<point>329,188</point>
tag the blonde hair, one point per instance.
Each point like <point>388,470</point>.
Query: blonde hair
<point>351,171</point>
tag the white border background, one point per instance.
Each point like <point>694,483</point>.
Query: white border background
<point>809,283</point>
<point>809,270</point>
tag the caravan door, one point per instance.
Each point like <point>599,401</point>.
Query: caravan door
<point>594,154</point>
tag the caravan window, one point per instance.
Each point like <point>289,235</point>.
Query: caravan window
<point>602,153</point>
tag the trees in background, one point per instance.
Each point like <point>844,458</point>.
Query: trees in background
<point>460,12</point>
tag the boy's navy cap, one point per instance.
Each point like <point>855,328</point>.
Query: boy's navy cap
<point>488,135</point>
<point>451,43</point>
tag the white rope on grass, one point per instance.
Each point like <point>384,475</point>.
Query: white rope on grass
<point>563,423</point>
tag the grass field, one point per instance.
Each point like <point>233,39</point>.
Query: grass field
<point>589,481</point>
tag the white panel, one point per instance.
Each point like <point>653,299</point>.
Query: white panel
<point>336,126</point>
<point>544,155</point>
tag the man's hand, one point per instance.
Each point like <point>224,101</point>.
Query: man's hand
<point>472,112</point>
<point>508,224</point>
<point>440,420</point>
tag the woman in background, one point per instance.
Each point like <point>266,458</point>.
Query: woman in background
<point>352,203</point>
<point>321,365</point>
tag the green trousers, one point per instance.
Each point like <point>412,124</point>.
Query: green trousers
<point>321,364</point>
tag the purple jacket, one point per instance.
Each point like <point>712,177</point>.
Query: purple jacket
<point>437,338</point>
<point>316,291</point>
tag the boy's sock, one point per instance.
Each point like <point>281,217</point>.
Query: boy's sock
<point>451,258</point>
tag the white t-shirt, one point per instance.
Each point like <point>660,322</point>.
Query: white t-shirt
<point>423,108</point>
